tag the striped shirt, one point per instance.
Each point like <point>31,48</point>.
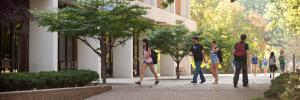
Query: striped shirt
<point>213,56</point>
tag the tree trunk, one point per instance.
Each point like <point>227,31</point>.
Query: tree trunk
<point>177,69</point>
<point>103,60</point>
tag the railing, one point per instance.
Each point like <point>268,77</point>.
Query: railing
<point>67,65</point>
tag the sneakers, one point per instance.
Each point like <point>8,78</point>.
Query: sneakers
<point>156,82</point>
<point>193,81</point>
<point>202,82</point>
<point>138,83</point>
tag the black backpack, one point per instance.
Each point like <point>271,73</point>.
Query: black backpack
<point>220,56</point>
<point>154,56</point>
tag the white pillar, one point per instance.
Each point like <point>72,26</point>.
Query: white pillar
<point>43,45</point>
<point>123,60</point>
<point>185,8</point>
<point>167,65</point>
<point>87,58</point>
<point>185,63</point>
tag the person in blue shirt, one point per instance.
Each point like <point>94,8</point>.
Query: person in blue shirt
<point>265,65</point>
<point>254,64</point>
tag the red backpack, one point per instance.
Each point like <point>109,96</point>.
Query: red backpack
<point>240,52</point>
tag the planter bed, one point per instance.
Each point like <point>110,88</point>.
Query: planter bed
<point>72,93</point>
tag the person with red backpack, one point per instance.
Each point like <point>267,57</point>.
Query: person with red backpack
<point>241,57</point>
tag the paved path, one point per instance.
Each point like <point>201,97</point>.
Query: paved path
<point>172,89</point>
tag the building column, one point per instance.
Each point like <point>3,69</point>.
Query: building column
<point>185,63</point>
<point>167,65</point>
<point>87,58</point>
<point>123,60</point>
<point>43,53</point>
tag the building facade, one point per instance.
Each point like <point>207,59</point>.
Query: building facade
<point>35,49</point>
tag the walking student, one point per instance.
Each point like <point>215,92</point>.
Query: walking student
<point>241,56</point>
<point>214,61</point>
<point>147,61</point>
<point>272,65</point>
<point>282,61</point>
<point>198,53</point>
<point>264,65</point>
<point>254,64</point>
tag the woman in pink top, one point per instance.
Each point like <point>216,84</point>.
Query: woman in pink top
<point>147,61</point>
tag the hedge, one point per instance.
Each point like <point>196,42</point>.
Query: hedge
<point>46,80</point>
<point>284,87</point>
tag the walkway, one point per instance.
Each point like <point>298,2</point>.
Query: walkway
<point>172,89</point>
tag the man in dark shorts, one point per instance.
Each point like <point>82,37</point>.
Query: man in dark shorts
<point>198,53</point>
<point>241,61</point>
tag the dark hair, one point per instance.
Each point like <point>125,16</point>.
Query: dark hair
<point>272,54</point>
<point>146,46</point>
<point>214,42</point>
<point>195,37</point>
<point>243,37</point>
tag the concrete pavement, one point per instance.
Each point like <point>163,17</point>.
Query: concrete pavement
<point>170,88</point>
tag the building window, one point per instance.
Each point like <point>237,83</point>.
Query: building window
<point>67,53</point>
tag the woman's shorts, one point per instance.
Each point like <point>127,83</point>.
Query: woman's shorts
<point>214,61</point>
<point>273,68</point>
<point>145,62</point>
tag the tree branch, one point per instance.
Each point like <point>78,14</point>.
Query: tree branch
<point>89,45</point>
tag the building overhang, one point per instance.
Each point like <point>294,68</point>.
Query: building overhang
<point>163,16</point>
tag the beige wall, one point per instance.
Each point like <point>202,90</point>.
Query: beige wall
<point>43,45</point>
<point>87,58</point>
<point>161,15</point>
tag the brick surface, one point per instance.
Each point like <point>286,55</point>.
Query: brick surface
<point>77,93</point>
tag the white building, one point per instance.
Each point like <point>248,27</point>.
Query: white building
<point>35,49</point>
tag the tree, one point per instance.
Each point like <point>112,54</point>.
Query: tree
<point>223,22</point>
<point>109,22</point>
<point>12,11</point>
<point>173,40</point>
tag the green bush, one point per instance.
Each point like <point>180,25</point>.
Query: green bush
<point>283,87</point>
<point>44,80</point>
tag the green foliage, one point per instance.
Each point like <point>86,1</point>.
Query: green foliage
<point>224,22</point>
<point>44,80</point>
<point>173,40</point>
<point>283,87</point>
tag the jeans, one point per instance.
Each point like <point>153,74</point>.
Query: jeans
<point>240,65</point>
<point>198,71</point>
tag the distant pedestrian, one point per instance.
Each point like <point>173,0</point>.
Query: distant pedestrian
<point>214,61</point>
<point>148,61</point>
<point>198,53</point>
<point>241,56</point>
<point>282,61</point>
<point>264,65</point>
<point>254,64</point>
<point>272,64</point>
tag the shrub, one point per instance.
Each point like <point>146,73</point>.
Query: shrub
<point>284,87</point>
<point>43,80</point>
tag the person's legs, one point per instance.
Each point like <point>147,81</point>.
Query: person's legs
<point>216,72</point>
<point>196,71</point>
<point>142,71</point>
<point>237,73</point>
<point>212,70</point>
<point>215,69</point>
<point>255,69</point>
<point>265,70</point>
<point>153,71</point>
<point>201,74</point>
<point>245,74</point>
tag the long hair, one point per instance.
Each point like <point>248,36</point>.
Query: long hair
<point>272,55</point>
<point>146,46</point>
